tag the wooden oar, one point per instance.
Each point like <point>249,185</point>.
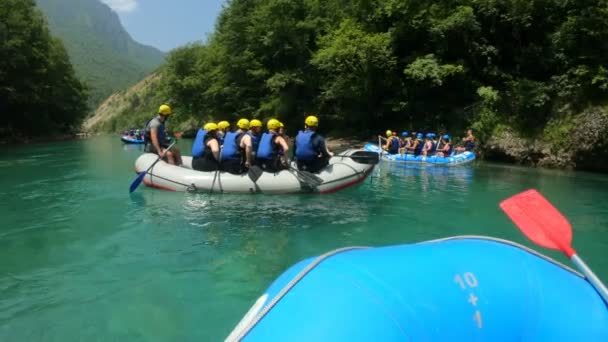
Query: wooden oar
<point>141,175</point>
<point>544,225</point>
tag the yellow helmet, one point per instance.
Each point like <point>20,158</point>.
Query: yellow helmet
<point>311,121</point>
<point>210,126</point>
<point>389,133</point>
<point>165,110</point>
<point>243,124</point>
<point>255,123</point>
<point>281,124</point>
<point>223,124</point>
<point>273,124</point>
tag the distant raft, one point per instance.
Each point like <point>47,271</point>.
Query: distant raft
<point>347,169</point>
<point>131,140</point>
<point>467,288</point>
<point>454,159</point>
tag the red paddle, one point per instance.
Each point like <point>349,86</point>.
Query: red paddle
<point>544,225</point>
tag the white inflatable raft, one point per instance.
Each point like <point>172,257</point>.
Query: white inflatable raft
<point>347,169</point>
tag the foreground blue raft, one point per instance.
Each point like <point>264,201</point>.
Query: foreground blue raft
<point>454,159</point>
<point>457,289</point>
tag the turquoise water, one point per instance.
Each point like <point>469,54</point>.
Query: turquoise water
<point>82,260</point>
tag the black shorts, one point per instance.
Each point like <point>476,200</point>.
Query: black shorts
<point>204,164</point>
<point>270,165</point>
<point>313,166</point>
<point>233,166</point>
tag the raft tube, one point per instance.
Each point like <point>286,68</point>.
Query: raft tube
<point>131,140</point>
<point>468,288</point>
<point>342,172</point>
<point>454,159</point>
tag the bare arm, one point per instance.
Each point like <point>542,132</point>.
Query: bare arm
<point>283,144</point>
<point>246,143</point>
<point>215,148</point>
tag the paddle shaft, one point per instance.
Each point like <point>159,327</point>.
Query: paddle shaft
<point>591,277</point>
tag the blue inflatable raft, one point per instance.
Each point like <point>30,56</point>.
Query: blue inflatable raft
<point>131,140</point>
<point>457,289</point>
<point>454,159</point>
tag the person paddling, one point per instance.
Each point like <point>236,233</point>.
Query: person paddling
<point>446,149</point>
<point>155,137</point>
<point>206,149</point>
<point>267,156</point>
<point>255,132</point>
<point>236,155</point>
<point>311,152</point>
<point>392,143</point>
<point>468,142</point>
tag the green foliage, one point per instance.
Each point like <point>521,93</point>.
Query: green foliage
<point>39,92</point>
<point>103,53</point>
<point>371,64</point>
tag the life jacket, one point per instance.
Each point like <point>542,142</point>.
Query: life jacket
<point>267,148</point>
<point>419,148</point>
<point>449,151</point>
<point>394,146</point>
<point>198,147</point>
<point>469,145</point>
<point>232,148</point>
<point>161,134</point>
<point>433,148</point>
<point>255,141</point>
<point>304,148</point>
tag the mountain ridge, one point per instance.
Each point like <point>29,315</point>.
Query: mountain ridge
<point>105,55</point>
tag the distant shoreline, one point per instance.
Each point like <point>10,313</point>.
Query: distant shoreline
<point>21,140</point>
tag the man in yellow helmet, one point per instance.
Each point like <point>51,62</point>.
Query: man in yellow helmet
<point>310,150</point>
<point>155,137</point>
<point>236,155</point>
<point>223,127</point>
<point>271,143</point>
<point>255,132</point>
<point>206,149</point>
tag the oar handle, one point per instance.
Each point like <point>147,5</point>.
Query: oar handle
<point>591,277</point>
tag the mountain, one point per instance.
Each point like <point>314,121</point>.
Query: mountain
<point>103,53</point>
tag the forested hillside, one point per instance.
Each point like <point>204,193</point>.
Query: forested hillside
<point>529,71</point>
<point>40,94</point>
<point>104,54</point>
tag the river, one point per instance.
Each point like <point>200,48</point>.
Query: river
<point>82,260</point>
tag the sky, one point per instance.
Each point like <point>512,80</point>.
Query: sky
<point>167,24</point>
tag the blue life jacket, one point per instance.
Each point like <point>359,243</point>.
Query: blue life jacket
<point>394,147</point>
<point>198,147</point>
<point>267,148</point>
<point>469,145</point>
<point>419,148</point>
<point>231,149</point>
<point>255,141</point>
<point>304,147</point>
<point>433,147</point>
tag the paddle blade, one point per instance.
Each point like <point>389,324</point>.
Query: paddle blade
<point>137,181</point>
<point>365,157</point>
<point>255,172</point>
<point>539,220</point>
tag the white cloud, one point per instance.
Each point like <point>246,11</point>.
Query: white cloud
<point>122,5</point>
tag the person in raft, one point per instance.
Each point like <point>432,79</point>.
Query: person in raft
<point>446,149</point>
<point>155,137</point>
<point>223,128</point>
<point>429,146</point>
<point>310,150</point>
<point>468,143</point>
<point>282,134</point>
<point>416,145</point>
<point>392,142</point>
<point>236,154</point>
<point>255,132</point>
<point>206,149</point>
<point>267,156</point>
